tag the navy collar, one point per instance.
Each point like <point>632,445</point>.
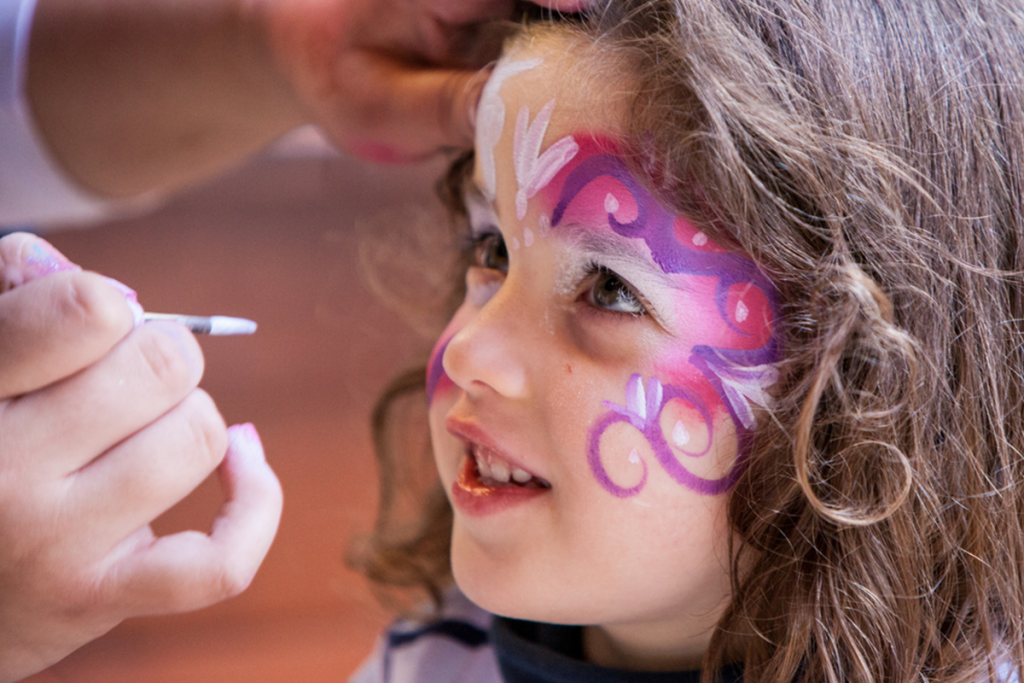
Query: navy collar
<point>531,652</point>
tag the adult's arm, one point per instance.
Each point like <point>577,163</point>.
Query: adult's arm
<point>132,96</point>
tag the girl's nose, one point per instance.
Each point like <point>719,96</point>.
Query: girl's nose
<point>489,353</point>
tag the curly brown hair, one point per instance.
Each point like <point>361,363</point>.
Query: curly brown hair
<point>867,155</point>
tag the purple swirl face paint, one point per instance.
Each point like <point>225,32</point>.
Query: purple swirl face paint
<point>729,366</point>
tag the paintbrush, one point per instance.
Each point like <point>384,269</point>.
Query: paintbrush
<point>214,324</point>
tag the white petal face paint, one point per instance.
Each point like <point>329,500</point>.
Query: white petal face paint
<point>527,237</point>
<point>490,118</point>
<point>533,169</point>
<point>680,437</point>
<point>611,204</point>
<point>544,224</point>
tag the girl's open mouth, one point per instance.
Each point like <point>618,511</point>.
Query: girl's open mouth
<point>493,470</point>
<point>486,485</point>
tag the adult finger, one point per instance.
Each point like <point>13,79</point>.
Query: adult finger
<point>25,257</point>
<point>190,570</point>
<point>52,327</point>
<point>133,483</point>
<point>143,377</point>
<point>390,111</point>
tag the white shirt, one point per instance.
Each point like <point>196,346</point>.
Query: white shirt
<point>33,189</point>
<point>453,648</point>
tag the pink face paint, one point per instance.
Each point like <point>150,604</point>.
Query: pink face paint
<point>437,378</point>
<point>732,366</point>
<point>533,169</point>
<point>490,118</point>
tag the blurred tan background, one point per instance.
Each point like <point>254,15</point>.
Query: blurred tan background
<point>275,241</point>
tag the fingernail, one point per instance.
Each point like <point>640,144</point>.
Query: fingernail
<point>130,297</point>
<point>245,440</point>
<point>44,259</point>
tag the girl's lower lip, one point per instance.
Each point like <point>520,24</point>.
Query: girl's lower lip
<point>474,498</point>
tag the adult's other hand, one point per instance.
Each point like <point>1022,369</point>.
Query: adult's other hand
<point>102,428</point>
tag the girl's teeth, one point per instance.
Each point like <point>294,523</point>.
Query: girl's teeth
<point>494,471</point>
<point>499,471</point>
<point>484,467</point>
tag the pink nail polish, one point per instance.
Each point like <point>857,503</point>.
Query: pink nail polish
<point>44,259</point>
<point>245,440</point>
<point>130,297</point>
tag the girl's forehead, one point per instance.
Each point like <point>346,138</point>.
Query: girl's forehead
<point>559,70</point>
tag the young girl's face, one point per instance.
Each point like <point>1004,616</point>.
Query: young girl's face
<point>589,397</point>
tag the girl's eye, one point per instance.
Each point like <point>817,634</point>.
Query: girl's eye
<point>612,293</point>
<point>490,251</point>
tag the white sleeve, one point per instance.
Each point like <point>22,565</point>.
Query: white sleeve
<point>32,187</point>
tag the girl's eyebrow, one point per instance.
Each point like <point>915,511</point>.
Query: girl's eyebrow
<point>616,251</point>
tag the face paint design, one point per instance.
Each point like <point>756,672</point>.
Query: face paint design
<point>740,373</point>
<point>437,378</point>
<point>533,169</point>
<point>490,118</point>
<point>643,411</point>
